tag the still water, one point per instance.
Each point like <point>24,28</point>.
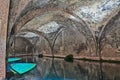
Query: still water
<point>58,69</point>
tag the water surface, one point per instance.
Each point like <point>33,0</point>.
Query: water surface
<point>58,69</point>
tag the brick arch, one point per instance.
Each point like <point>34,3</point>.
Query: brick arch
<point>81,24</point>
<point>64,19</point>
<point>37,12</point>
<point>66,23</point>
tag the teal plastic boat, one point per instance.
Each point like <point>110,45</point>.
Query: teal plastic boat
<point>55,79</point>
<point>13,59</point>
<point>22,68</point>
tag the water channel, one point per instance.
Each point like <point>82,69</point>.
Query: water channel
<point>58,69</point>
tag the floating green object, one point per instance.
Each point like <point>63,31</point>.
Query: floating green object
<point>22,68</point>
<point>69,58</point>
<point>55,79</point>
<point>13,59</point>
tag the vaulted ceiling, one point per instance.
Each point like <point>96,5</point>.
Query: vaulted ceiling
<point>28,17</point>
<point>37,13</point>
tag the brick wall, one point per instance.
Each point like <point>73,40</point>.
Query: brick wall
<point>4,9</point>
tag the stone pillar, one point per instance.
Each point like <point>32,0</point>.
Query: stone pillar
<point>4,9</point>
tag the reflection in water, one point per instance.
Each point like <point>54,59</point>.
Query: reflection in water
<point>49,69</point>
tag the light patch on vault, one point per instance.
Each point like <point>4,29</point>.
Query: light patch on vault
<point>49,27</point>
<point>30,34</point>
<point>98,11</point>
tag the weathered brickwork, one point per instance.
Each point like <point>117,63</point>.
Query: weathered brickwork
<point>4,9</point>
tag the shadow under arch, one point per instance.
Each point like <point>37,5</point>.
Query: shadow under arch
<point>24,39</point>
<point>40,34</point>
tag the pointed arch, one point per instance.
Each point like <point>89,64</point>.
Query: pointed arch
<point>28,16</point>
<point>111,24</point>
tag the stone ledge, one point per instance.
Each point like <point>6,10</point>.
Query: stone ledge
<point>85,58</point>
